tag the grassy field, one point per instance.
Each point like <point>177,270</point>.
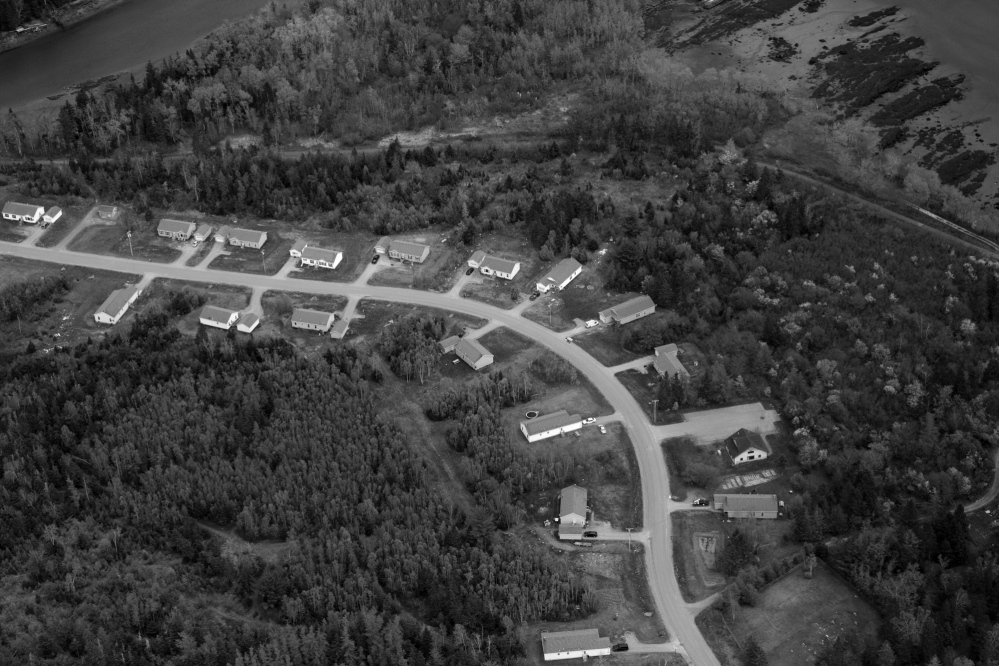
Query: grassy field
<point>506,345</point>
<point>494,291</point>
<point>248,260</point>
<point>602,344</point>
<point>113,240</point>
<point>794,620</point>
<point>11,232</point>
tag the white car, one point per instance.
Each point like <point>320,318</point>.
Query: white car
<point>603,430</point>
<point>589,421</point>
<point>591,323</point>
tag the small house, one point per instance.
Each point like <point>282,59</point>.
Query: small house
<point>550,425</point>
<point>666,362</point>
<point>577,644</point>
<point>339,330</point>
<point>116,305</point>
<point>312,320</point>
<point>203,232</point>
<point>19,212</point>
<point>382,246</point>
<point>247,322</point>
<point>218,317</point>
<point>296,249</point>
<point>52,214</point>
<point>222,235</point>
<point>571,512</point>
<point>247,238</point>
<point>748,506</point>
<point>407,251</point>
<point>176,229</point>
<point>560,276</point>
<point>503,268</point>
<point>636,308</point>
<point>476,259</point>
<point>107,212</point>
<point>746,446</point>
<point>320,258</point>
<point>473,353</point>
<point>448,344</point>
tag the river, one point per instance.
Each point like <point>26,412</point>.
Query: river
<point>118,39</point>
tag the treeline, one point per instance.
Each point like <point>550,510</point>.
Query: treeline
<point>14,13</point>
<point>21,298</point>
<point>411,347</point>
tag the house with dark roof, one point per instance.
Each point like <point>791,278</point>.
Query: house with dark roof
<point>577,644</point>
<point>203,232</point>
<point>746,446</point>
<point>560,276</point>
<point>407,251</point>
<point>116,305</point>
<point>176,229</point>
<point>320,258</point>
<point>748,506</point>
<point>449,343</point>
<point>247,238</point>
<point>571,512</point>
<point>52,214</point>
<point>218,317</point>
<point>636,308</point>
<point>473,353</point>
<point>666,362</point>
<point>550,425</point>
<point>19,212</point>
<point>222,235</point>
<point>312,320</point>
<point>247,322</point>
<point>503,268</point>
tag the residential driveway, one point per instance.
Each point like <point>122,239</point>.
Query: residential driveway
<point>607,533</point>
<point>217,249</point>
<point>88,220</point>
<point>713,425</point>
<point>290,265</point>
<point>34,234</point>
<point>455,291</point>
<point>371,269</point>
<point>640,364</point>
<point>635,645</point>
<point>186,252</point>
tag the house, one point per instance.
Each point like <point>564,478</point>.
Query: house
<point>557,278</point>
<point>52,214</point>
<point>746,446</point>
<point>116,305</point>
<point>312,320</point>
<point>382,246</point>
<point>448,344</point>
<point>407,251</point>
<point>176,229</point>
<point>339,330</point>
<point>247,322</point>
<point>315,256</point>
<point>476,259</point>
<point>748,506</point>
<point>578,644</point>
<point>666,362</point>
<point>572,512</point>
<point>19,212</point>
<point>218,317</point>
<point>503,268</point>
<point>636,308</point>
<point>296,249</point>
<point>107,212</point>
<point>203,233</point>
<point>550,425</point>
<point>222,235</point>
<point>247,238</point>
<point>473,353</point>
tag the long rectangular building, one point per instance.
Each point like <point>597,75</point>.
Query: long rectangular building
<point>550,425</point>
<point>578,644</point>
<point>116,305</point>
<point>636,308</point>
<point>473,353</point>
<point>313,320</point>
<point>320,258</point>
<point>748,506</point>
<point>176,229</point>
<point>560,276</point>
<point>407,251</point>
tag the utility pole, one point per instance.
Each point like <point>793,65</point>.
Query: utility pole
<point>549,314</point>
<point>129,234</point>
<point>655,404</point>
<point>263,260</point>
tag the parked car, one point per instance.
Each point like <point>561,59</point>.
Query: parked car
<point>569,340</point>
<point>591,323</point>
<point>619,647</point>
<point>194,243</point>
<point>590,534</point>
<point>469,271</point>
<point>603,430</point>
<point>534,295</point>
<point>700,501</point>
<point>374,259</point>
<point>588,421</point>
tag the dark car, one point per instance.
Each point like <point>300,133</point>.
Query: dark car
<point>469,271</point>
<point>374,259</point>
<point>700,502</point>
<point>619,647</point>
<point>534,295</point>
<point>590,535</point>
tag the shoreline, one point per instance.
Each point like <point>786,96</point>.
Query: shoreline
<point>67,17</point>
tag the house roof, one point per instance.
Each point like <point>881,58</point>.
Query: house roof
<point>384,242</point>
<point>498,265</point>
<point>216,314</point>
<point>204,229</point>
<point>299,245</point>
<point>14,208</point>
<point>477,257</point>
<point>340,328</point>
<point>117,301</point>
<point>571,641</point>
<point>748,502</point>
<point>573,501</point>
<point>743,440</point>
<point>176,226</point>
<point>314,317</point>
<point>550,422</point>
<point>107,210</point>
<point>449,342</point>
<point>55,210</point>
<point>319,254</point>
<point>472,349</point>
<point>247,235</point>
<point>669,364</point>
<point>248,320</point>
<point>224,231</point>
<point>561,272</point>
<point>571,529</point>
<point>671,348</point>
<point>632,307</point>
<point>408,248</point>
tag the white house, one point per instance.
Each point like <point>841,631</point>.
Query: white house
<point>667,363</point>
<point>315,256</point>
<point>746,446</point>
<point>313,320</point>
<point>473,353</point>
<point>247,238</point>
<point>382,246</point>
<point>222,235</point>
<point>571,512</point>
<point>218,317</point>
<point>550,425</point>
<point>407,251</point>
<point>748,506</point>
<point>203,232</point>
<point>476,259</point>
<point>116,305</point>
<point>247,322</point>
<point>52,214</point>
<point>339,329</point>
<point>19,212</point>
<point>578,644</point>
<point>176,229</point>
<point>503,268</point>
<point>296,249</point>
<point>636,308</point>
<point>561,275</point>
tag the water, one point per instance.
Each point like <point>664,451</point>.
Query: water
<point>119,39</point>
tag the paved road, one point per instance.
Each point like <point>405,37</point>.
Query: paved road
<point>992,492</point>
<point>655,480</point>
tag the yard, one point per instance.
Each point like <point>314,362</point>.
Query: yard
<point>372,316</point>
<point>357,252</point>
<point>794,619</point>
<point>112,239</point>
<point>249,260</point>
<point>12,232</point>
<point>72,215</point>
<point>644,387</point>
<point>602,343</point>
<point>223,296</point>
<point>438,273</point>
<point>507,346</point>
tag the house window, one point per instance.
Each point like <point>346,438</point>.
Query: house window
<point>750,457</point>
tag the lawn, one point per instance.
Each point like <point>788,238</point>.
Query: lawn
<point>644,387</point>
<point>602,344</point>
<point>113,240</point>
<point>72,215</point>
<point>357,252</point>
<point>438,273</point>
<point>494,291</point>
<point>11,232</point>
<point>248,260</point>
<point>221,295</point>
<point>372,316</point>
<point>506,345</point>
<point>794,619</point>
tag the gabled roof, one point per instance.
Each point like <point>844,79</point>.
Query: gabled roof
<point>477,257</point>
<point>671,348</point>
<point>748,502</point>
<point>117,301</point>
<point>498,265</point>
<point>55,210</point>
<point>570,530</point>
<point>248,320</point>
<point>314,317</point>
<point>247,235</point>
<point>572,641</point>
<point>449,343</point>
<point>669,364</point>
<point>319,254</point>
<point>472,349</point>
<point>573,501</point>
<point>224,231</point>
<point>632,307</point>
<point>384,242</point>
<point>14,208</point>
<point>216,314</point>
<point>107,210</point>
<point>550,422</point>
<point>299,245</point>
<point>340,328</point>
<point>743,440</point>
<point>407,247</point>
<point>561,272</point>
<point>176,226</point>
<point>204,229</point>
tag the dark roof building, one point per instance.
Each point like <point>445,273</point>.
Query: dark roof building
<point>577,644</point>
<point>636,308</point>
<point>550,425</point>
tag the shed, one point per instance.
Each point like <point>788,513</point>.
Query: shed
<point>52,214</point>
<point>339,330</point>
<point>382,246</point>
<point>222,235</point>
<point>296,249</point>
<point>203,232</point>
<point>476,259</point>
